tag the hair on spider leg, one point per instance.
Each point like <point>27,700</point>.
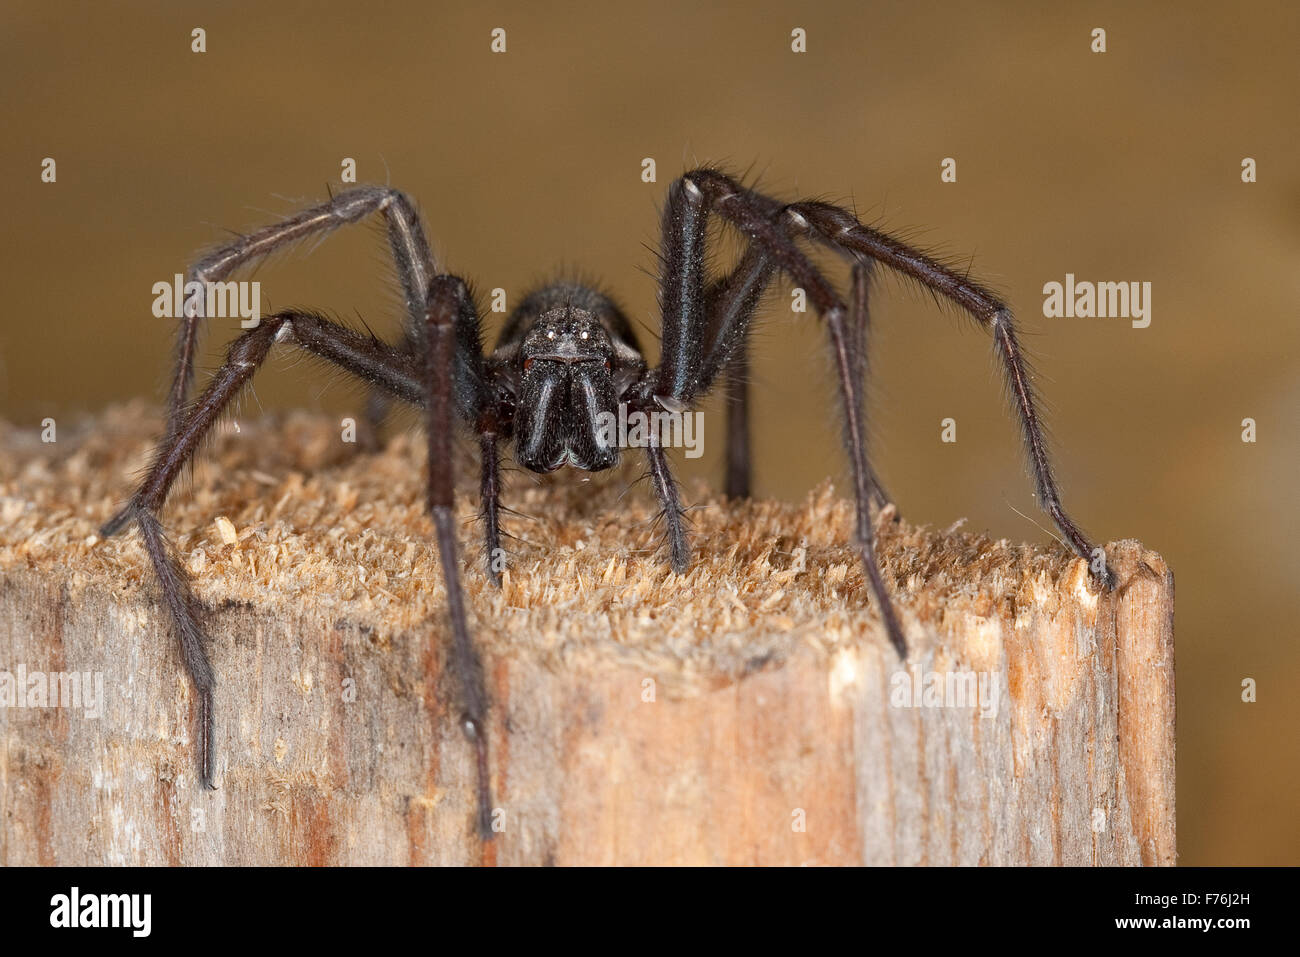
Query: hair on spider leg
<point>511,536</point>
<point>1042,528</point>
<point>516,513</point>
<point>659,517</point>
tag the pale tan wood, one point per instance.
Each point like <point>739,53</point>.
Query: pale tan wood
<point>771,678</point>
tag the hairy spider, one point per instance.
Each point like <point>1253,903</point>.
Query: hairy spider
<point>566,356</point>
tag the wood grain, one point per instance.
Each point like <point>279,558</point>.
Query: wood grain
<point>748,712</point>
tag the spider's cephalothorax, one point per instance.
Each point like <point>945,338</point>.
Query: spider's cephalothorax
<point>567,359</point>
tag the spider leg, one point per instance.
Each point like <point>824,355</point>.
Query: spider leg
<point>690,340</point>
<point>731,303</point>
<point>490,494</point>
<point>665,486</point>
<point>379,403</point>
<point>678,377</point>
<point>738,482</point>
<point>840,228</point>
<point>406,236</point>
<point>370,434</point>
<point>383,366</point>
<point>361,355</point>
<point>451,326</point>
<point>697,194</point>
<point>860,333</point>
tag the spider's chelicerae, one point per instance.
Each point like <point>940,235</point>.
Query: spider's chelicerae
<point>566,358</point>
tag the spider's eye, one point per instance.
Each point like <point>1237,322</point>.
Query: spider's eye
<point>608,365</point>
<point>528,364</point>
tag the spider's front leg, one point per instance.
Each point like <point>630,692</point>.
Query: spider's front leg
<point>490,495</point>
<point>454,383</point>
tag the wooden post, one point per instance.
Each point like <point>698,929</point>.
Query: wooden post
<point>749,712</point>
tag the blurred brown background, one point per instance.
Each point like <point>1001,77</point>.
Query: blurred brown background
<point>1117,166</point>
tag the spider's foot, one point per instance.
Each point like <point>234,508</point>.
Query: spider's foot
<point>893,629</point>
<point>888,617</point>
<point>899,642</point>
<point>207,751</point>
<point>1099,567</point>
<point>494,556</point>
<point>880,500</point>
<point>475,733</point>
<point>679,545</point>
<point>1107,578</point>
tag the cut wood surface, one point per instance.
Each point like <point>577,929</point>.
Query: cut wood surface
<point>748,712</point>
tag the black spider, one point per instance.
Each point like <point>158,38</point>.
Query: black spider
<point>566,359</point>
